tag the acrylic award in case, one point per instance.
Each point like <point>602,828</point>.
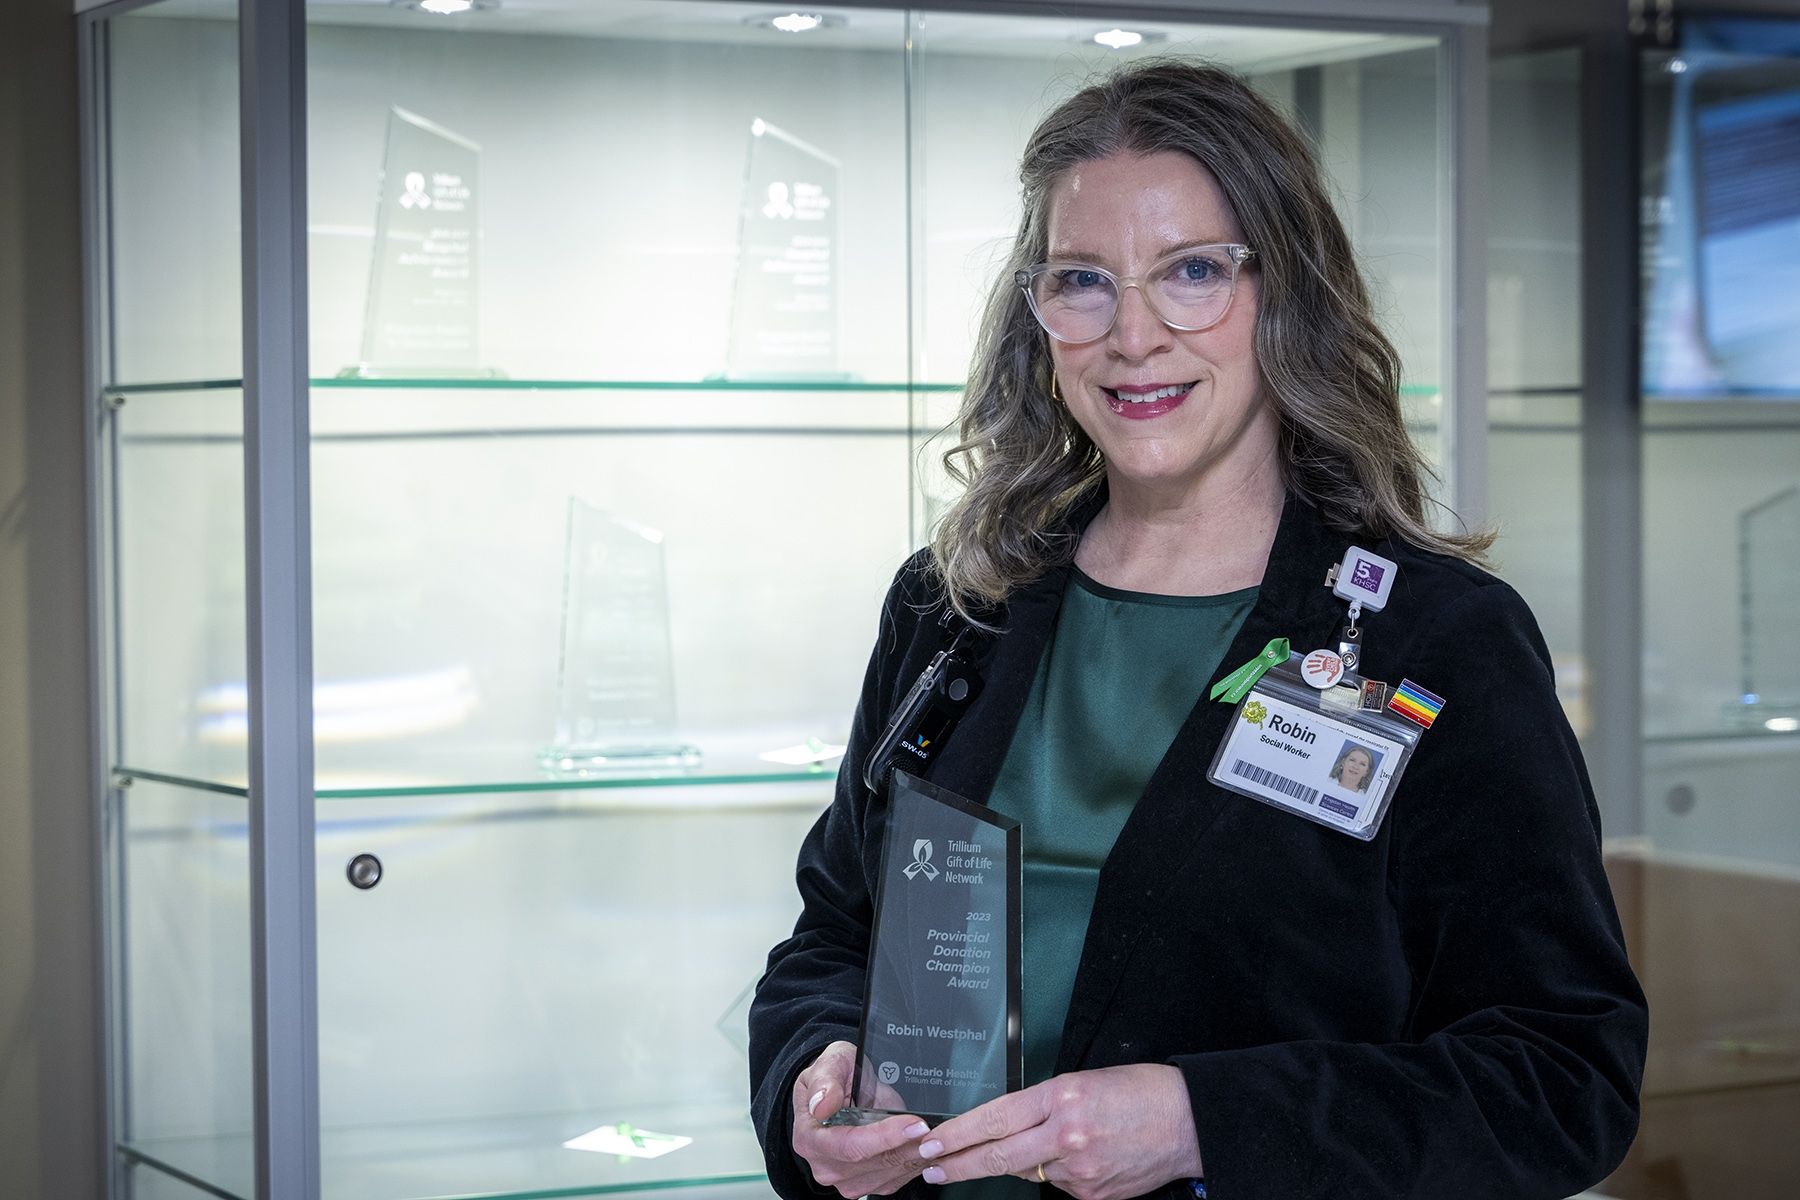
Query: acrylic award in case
<point>616,684</point>
<point>425,281</point>
<point>784,306</point>
<point>1768,581</point>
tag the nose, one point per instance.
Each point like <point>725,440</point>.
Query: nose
<point>1137,331</point>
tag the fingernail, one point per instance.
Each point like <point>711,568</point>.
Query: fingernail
<point>933,1175</point>
<point>931,1149</point>
<point>814,1102</point>
<point>913,1131</point>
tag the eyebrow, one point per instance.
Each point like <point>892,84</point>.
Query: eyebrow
<point>1173,248</point>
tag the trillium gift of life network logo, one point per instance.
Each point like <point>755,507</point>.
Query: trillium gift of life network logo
<point>921,863</point>
<point>1255,713</point>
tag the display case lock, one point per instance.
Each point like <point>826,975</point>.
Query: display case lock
<point>364,871</point>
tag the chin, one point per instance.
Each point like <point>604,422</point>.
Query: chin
<point>1132,463</point>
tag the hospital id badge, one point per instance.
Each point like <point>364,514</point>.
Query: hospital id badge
<point>1306,751</point>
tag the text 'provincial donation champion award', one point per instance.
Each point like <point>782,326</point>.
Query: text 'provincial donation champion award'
<point>940,1027</point>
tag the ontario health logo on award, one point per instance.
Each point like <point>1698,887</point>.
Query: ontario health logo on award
<point>921,863</point>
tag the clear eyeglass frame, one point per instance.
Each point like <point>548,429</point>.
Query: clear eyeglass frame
<point>1236,252</point>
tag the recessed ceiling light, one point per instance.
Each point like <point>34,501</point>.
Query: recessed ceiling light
<point>795,22</point>
<point>1122,39</point>
<point>447,8</point>
<point>1782,724</point>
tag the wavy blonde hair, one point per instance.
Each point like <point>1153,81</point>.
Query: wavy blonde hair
<point>1330,374</point>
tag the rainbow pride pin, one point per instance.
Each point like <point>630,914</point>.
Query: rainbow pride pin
<point>1416,704</point>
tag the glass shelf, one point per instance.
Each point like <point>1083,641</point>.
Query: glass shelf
<point>553,385</point>
<point>494,1158</point>
<point>1767,738</point>
<point>194,412</point>
<point>700,779</point>
<point>592,385</point>
<point>1732,396</point>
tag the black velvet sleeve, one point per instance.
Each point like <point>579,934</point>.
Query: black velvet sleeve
<point>811,993</point>
<point>1518,1075</point>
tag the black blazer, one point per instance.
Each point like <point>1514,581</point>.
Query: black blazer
<point>1445,1012</point>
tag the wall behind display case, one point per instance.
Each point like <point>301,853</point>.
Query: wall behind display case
<point>611,172</point>
<point>1370,105</point>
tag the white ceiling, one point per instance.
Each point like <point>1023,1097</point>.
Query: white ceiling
<point>1247,48</point>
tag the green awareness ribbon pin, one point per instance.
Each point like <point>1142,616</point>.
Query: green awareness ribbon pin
<point>1237,685</point>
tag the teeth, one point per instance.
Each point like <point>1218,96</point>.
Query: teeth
<point>1174,389</point>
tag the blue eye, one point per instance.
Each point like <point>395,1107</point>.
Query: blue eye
<point>1078,279</point>
<point>1197,270</point>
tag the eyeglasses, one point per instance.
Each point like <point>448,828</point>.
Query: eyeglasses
<point>1189,290</point>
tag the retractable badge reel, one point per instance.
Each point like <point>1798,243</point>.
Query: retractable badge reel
<point>1365,580</point>
<point>1311,735</point>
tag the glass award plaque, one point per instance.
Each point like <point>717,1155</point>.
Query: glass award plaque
<point>616,686</point>
<point>940,1024</point>
<point>784,310</point>
<point>420,320</point>
<point>1768,580</point>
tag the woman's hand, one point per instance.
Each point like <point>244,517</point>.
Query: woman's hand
<point>857,1160</point>
<point>1099,1135</point>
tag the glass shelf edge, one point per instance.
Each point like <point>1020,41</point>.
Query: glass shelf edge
<point>173,386</point>
<point>147,1159</point>
<point>588,784</point>
<point>613,1189</point>
<point>593,385</point>
<point>1670,738</point>
<point>124,776</point>
<point>553,385</point>
<point>150,1160</point>
<point>1701,398</point>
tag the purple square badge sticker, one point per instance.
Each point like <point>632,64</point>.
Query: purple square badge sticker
<point>1365,579</point>
<point>1368,576</point>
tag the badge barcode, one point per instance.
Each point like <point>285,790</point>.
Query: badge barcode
<point>1280,783</point>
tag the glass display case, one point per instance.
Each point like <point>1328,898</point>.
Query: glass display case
<point>633,331</point>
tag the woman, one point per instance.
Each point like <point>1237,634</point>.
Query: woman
<point>1180,416</point>
<point>1352,769</point>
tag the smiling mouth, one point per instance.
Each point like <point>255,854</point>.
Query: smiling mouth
<point>1147,401</point>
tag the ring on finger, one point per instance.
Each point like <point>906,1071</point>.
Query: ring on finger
<point>1041,1176</point>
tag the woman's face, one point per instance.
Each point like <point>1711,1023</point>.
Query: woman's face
<point>1125,213</point>
<point>1353,772</point>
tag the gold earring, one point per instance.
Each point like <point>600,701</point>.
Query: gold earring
<point>1056,390</point>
